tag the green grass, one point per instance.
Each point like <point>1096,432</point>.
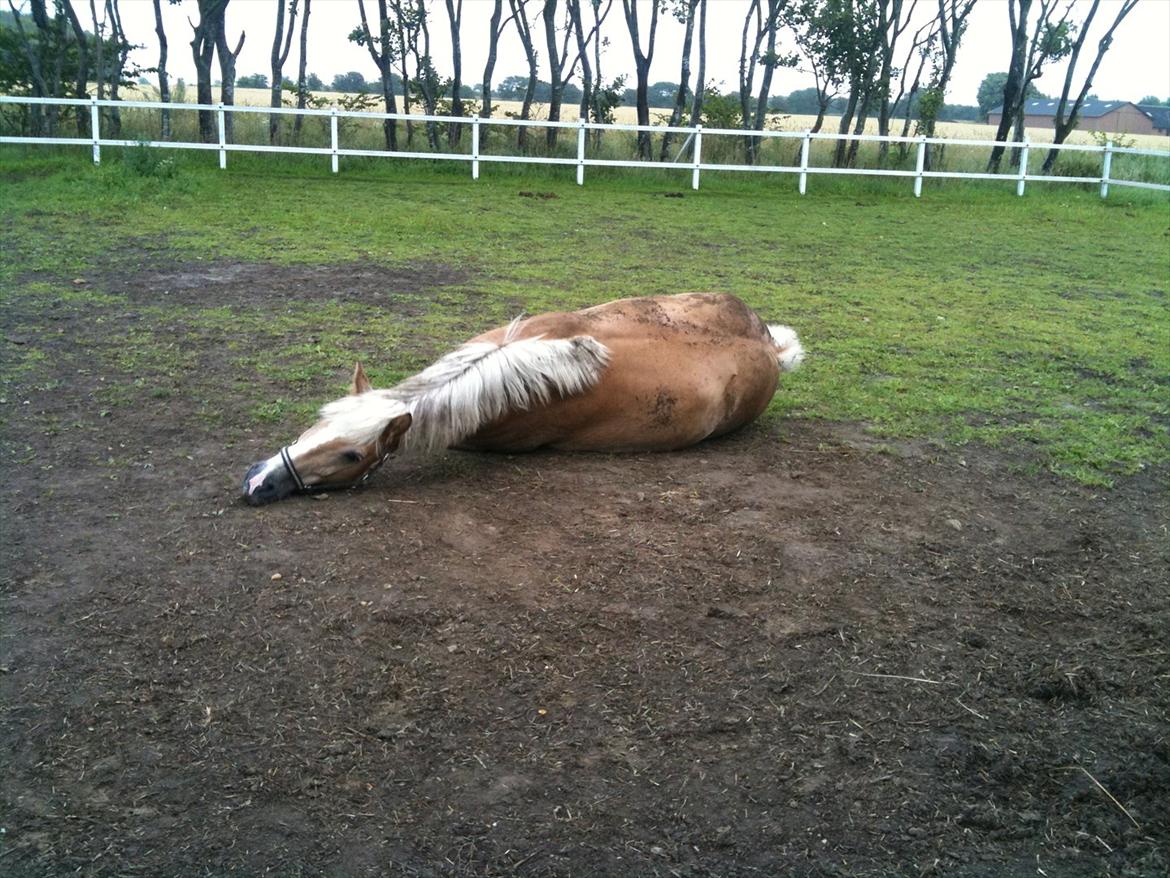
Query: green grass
<point>969,315</point>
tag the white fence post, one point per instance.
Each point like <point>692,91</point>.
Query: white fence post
<point>919,166</point>
<point>1023,167</point>
<point>581,152</point>
<point>698,156</point>
<point>475,147</point>
<point>95,124</point>
<point>222,138</point>
<point>1106,165</point>
<point>333,136</point>
<point>804,145</point>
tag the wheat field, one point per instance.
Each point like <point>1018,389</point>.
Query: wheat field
<point>778,122</point>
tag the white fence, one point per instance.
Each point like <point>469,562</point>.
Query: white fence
<point>1019,174</point>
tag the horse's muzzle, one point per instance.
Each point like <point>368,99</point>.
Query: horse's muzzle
<point>276,485</point>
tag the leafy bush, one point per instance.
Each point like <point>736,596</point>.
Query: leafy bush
<point>145,161</point>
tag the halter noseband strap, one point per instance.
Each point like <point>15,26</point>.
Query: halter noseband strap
<point>292,470</point>
<point>286,458</point>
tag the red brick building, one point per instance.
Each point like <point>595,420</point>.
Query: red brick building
<point>1115,117</point>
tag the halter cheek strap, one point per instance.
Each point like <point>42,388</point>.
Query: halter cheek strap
<point>286,458</point>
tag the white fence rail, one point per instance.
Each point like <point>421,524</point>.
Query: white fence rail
<point>1020,175</point>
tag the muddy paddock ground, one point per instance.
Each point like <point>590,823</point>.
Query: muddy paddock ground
<point>795,651</point>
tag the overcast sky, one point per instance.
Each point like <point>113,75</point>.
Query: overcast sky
<point>1137,65</point>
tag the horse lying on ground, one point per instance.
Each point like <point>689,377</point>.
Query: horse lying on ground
<point>647,374</point>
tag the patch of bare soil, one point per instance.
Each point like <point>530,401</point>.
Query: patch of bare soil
<point>786,652</point>
<point>251,284</point>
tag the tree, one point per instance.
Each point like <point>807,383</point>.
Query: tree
<point>589,83</point>
<point>352,82</point>
<point>642,60</point>
<point>495,28</point>
<point>44,53</point>
<point>558,58</point>
<point>382,52</point>
<point>700,81</point>
<point>524,31</point>
<point>455,17</point>
<point>815,26</point>
<point>1032,48</point>
<point>203,53</point>
<point>766,25</point>
<point>952,25</point>
<point>227,71</point>
<point>683,11</point>
<point>308,82</point>
<point>252,80</point>
<point>1154,101</point>
<point>857,27</point>
<point>1067,115</point>
<point>278,57</point>
<point>164,87</point>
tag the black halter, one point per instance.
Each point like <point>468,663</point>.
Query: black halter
<point>331,486</point>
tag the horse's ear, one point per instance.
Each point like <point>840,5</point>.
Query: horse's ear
<point>392,432</point>
<point>360,382</point>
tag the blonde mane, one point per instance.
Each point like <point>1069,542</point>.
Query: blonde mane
<point>471,387</point>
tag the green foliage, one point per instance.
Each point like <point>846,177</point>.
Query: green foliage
<point>252,80</point>
<point>352,81</point>
<point>721,110</point>
<point>990,93</point>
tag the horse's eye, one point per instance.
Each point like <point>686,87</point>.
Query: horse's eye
<point>352,456</point>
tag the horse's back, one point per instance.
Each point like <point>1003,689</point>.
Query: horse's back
<point>682,369</point>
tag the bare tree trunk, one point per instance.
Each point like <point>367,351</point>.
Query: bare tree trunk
<point>583,54</point>
<point>278,57</point>
<point>770,60</point>
<point>684,77</point>
<point>164,85</point>
<point>485,94</point>
<point>203,52</point>
<point>524,30</point>
<point>1028,58</point>
<point>426,79</point>
<point>1066,124</point>
<point>302,72</point>
<point>40,86</point>
<point>99,40</point>
<point>118,64</point>
<point>383,56</point>
<point>227,73</point>
<point>82,82</point>
<point>556,65</point>
<point>403,37</point>
<point>52,33</point>
<point>700,79</point>
<point>892,29</point>
<point>642,60</point>
<point>455,16</point>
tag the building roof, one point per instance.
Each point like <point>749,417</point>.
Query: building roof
<point>1158,114</point>
<point>1047,107</point>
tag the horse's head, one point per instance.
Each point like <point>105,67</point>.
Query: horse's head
<point>353,437</point>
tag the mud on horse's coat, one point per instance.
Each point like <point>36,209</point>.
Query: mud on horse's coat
<point>647,374</point>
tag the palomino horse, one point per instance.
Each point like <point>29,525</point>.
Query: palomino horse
<point>648,374</point>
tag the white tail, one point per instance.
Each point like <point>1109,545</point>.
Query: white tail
<point>789,351</point>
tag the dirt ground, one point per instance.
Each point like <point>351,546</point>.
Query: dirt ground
<point>794,651</point>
